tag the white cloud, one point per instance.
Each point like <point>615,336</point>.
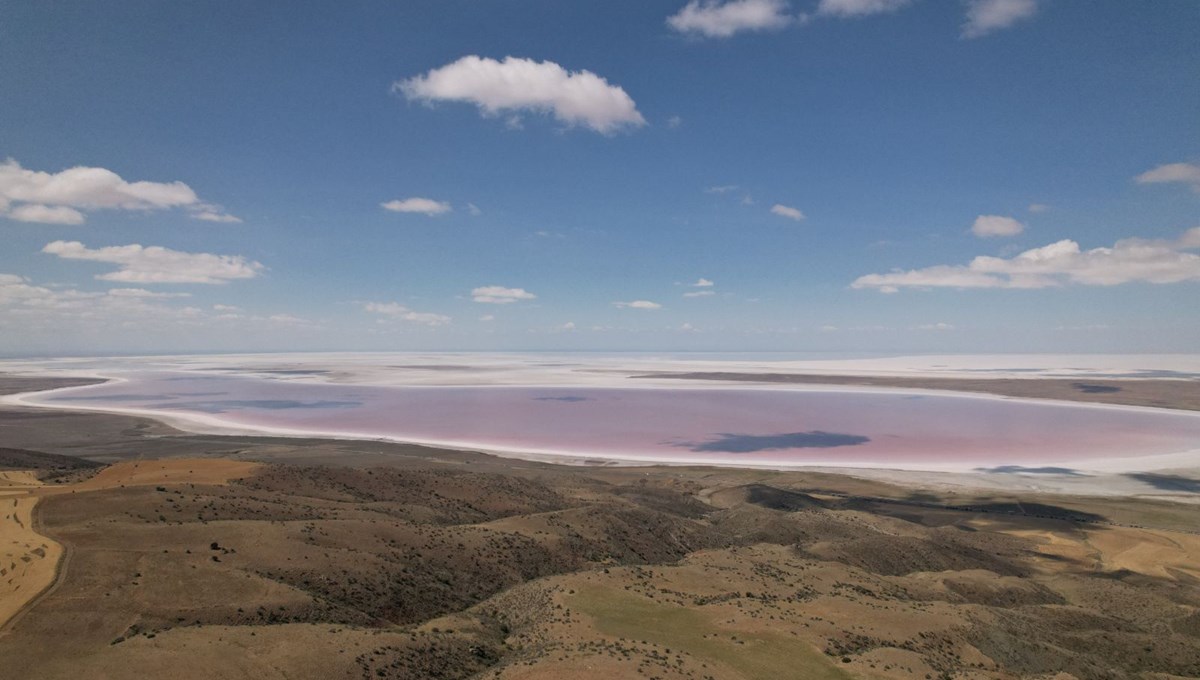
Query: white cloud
<point>155,264</point>
<point>714,19</point>
<point>787,211</point>
<point>1128,260</point>
<point>940,326</point>
<point>702,283</point>
<point>214,216</point>
<point>674,122</point>
<point>568,326</point>
<point>423,206</point>
<point>828,329</point>
<point>396,310</point>
<point>991,226</point>
<point>62,197</point>
<point>487,317</point>
<point>144,294</point>
<point>1038,207</point>
<point>1182,173</point>
<point>698,293</point>
<point>858,8</point>
<point>226,308</point>
<point>987,16</point>
<point>44,214</point>
<point>499,295</point>
<point>287,320</point>
<point>519,85</point>
<point>18,296</point>
<point>474,210</point>
<point>637,304</point>
<point>53,314</point>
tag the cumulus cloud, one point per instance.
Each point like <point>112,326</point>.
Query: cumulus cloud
<point>1181,173</point>
<point>155,264</point>
<point>714,19</point>
<point>702,283</point>
<point>858,8</point>
<point>988,16</point>
<point>1128,260</point>
<point>63,197</point>
<point>45,214</point>
<point>499,295</point>
<point>787,211</point>
<point>991,226</point>
<point>517,85</point>
<point>637,304</point>
<point>423,206</point>
<point>396,310</point>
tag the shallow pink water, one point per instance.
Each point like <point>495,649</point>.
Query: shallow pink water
<point>674,425</point>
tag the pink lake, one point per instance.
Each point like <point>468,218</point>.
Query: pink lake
<point>749,426</point>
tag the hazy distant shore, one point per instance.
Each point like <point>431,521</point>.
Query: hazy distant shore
<point>1181,394</point>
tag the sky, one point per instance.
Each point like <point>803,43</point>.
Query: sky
<point>895,176</point>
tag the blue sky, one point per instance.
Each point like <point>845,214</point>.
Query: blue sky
<point>821,163</point>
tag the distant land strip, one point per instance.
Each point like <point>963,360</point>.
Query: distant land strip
<point>1183,394</point>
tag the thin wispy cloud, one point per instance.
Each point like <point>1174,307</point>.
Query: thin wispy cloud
<point>1058,264</point>
<point>499,295</point>
<point>518,86</point>
<point>418,205</point>
<point>400,312</point>
<point>713,19</point>
<point>787,211</point>
<point>723,189</point>
<point>994,226</point>
<point>73,311</point>
<point>211,215</point>
<point>989,16</point>
<point>1187,174</point>
<point>145,294</point>
<point>155,264</point>
<point>859,8</point>
<point>637,304</point>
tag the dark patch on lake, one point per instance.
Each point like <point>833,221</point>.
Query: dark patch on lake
<point>749,443</point>
<point>1091,388</point>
